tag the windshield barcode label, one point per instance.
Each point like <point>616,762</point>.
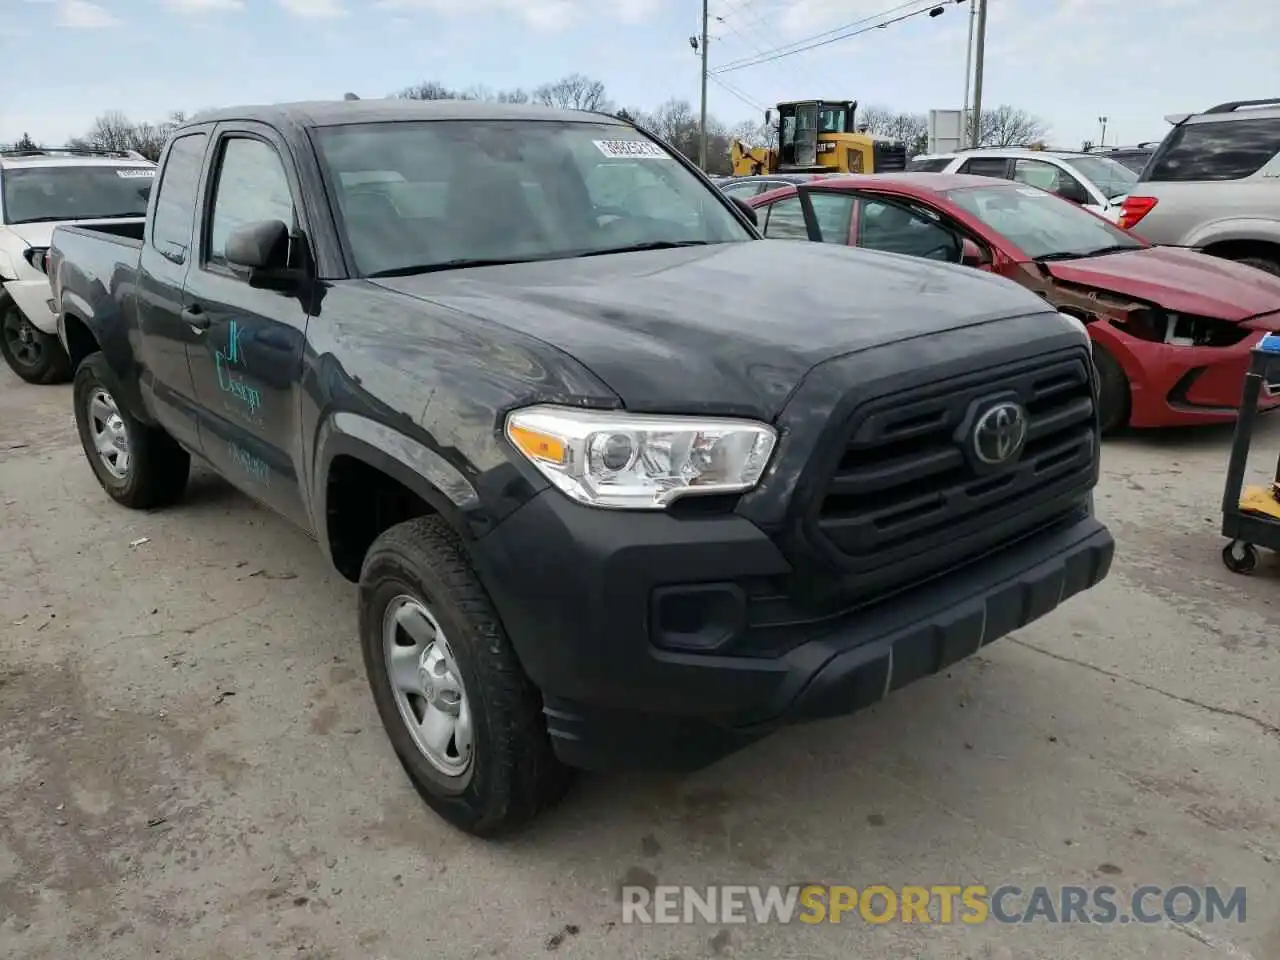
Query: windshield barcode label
<point>635,149</point>
<point>130,173</point>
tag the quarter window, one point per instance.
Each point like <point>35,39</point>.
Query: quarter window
<point>252,187</point>
<point>176,201</point>
<point>1227,150</point>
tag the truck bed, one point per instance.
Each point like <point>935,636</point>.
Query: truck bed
<point>127,232</point>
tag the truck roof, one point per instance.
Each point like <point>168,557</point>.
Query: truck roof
<point>327,113</point>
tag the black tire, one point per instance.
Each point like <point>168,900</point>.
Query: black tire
<point>513,773</point>
<point>34,356</point>
<point>1240,557</point>
<point>1113,390</point>
<point>157,471</point>
<point>1261,263</point>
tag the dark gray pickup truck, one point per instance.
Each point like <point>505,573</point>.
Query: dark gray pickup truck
<point>621,483</point>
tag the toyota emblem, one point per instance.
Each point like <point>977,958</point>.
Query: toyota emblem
<point>1000,433</point>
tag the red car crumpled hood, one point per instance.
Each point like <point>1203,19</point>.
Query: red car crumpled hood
<point>1180,280</point>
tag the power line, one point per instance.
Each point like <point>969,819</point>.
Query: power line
<point>734,91</point>
<point>826,33</point>
<point>932,5</point>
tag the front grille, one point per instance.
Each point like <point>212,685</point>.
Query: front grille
<point>890,157</point>
<point>908,490</point>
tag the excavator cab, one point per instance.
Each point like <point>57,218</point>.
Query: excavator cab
<point>818,136</point>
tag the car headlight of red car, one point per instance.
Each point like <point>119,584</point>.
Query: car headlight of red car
<point>1181,329</point>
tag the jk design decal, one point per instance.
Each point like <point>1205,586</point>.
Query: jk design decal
<point>230,363</point>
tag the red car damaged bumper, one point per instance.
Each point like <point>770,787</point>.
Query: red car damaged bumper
<point>1173,386</point>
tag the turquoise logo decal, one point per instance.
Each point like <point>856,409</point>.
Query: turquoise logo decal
<point>230,360</point>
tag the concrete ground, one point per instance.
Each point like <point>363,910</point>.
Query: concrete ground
<point>191,765</point>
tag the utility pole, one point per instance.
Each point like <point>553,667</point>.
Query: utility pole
<point>968,73</point>
<point>977,72</point>
<point>702,122</point>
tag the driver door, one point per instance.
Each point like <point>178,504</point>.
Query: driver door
<point>806,134</point>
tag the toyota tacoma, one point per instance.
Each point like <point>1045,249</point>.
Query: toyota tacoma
<point>621,483</point>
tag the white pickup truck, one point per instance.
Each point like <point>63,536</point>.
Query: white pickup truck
<point>40,189</point>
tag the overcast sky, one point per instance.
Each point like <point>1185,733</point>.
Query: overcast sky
<point>1067,61</point>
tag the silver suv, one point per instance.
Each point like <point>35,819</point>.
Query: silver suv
<point>1214,185</point>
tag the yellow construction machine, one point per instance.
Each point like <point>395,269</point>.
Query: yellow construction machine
<point>818,136</point>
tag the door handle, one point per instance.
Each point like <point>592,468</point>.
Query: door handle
<point>195,317</point>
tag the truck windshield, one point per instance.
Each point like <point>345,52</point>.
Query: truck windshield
<point>1043,226</point>
<point>64,192</point>
<point>415,196</point>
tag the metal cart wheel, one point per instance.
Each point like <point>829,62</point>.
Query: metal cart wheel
<point>1239,557</point>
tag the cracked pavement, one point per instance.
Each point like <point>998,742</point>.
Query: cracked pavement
<point>191,765</point>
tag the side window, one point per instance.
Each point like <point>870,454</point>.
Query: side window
<point>928,165</point>
<point>1227,150</point>
<point>985,167</point>
<point>833,211</point>
<point>176,201</point>
<point>913,231</point>
<point>1037,173</point>
<point>786,221</point>
<point>252,186</point>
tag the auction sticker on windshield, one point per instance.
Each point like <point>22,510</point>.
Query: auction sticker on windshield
<point>130,173</point>
<point>631,149</point>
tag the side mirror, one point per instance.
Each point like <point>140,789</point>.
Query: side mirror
<point>259,246</point>
<point>972,255</point>
<point>746,208</point>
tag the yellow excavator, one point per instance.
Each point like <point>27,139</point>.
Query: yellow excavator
<point>818,136</point>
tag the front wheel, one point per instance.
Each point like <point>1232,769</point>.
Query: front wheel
<point>465,722</point>
<point>1261,263</point>
<point>35,356</point>
<point>1113,390</point>
<point>138,466</point>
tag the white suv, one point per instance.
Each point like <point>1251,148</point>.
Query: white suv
<point>1097,183</point>
<point>40,189</point>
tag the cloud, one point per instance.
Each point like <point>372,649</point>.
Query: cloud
<point>314,9</point>
<point>204,6</point>
<point>544,15</point>
<point>83,15</point>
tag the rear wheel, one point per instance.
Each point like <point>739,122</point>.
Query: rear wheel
<point>1268,266</point>
<point>1113,390</point>
<point>139,466</point>
<point>33,355</point>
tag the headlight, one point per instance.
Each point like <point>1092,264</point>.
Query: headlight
<point>639,461</point>
<point>1080,324</point>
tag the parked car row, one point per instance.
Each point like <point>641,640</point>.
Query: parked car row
<point>40,189</point>
<point>1171,328</point>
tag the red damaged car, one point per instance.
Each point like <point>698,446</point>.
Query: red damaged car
<point>1172,329</point>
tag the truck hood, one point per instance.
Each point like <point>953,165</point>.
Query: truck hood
<point>732,327</point>
<point>1183,281</point>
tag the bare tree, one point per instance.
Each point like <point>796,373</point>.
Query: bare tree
<point>26,143</point>
<point>1007,126</point>
<point>911,128</point>
<point>574,92</point>
<point>433,90</point>
<point>112,131</point>
<point>428,90</point>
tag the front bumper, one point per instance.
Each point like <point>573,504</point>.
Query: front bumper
<point>34,299</point>
<point>595,600</point>
<point>1182,386</point>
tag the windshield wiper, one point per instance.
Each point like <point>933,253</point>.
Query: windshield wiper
<point>651,245</point>
<point>1114,248</point>
<point>445,265</point>
<point>1060,255</point>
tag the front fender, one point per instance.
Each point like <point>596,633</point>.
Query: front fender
<point>411,463</point>
<point>1234,228</point>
